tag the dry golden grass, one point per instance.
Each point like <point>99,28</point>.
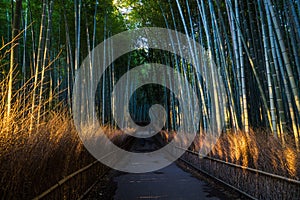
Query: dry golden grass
<point>31,161</point>
<point>257,149</point>
<point>37,160</point>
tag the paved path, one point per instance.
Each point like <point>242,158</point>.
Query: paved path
<point>168,183</point>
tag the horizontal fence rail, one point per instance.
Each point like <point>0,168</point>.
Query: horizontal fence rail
<point>253,183</point>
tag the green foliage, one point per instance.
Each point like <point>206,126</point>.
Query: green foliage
<point>5,20</point>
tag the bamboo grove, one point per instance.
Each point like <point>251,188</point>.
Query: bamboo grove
<point>255,46</point>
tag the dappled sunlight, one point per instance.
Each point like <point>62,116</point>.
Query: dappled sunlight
<point>164,135</point>
<point>253,149</point>
<point>234,148</point>
<point>291,160</point>
<point>244,149</point>
<point>52,149</point>
<point>180,140</point>
<point>129,130</point>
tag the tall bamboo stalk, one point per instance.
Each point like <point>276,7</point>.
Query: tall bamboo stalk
<point>14,53</point>
<point>38,62</point>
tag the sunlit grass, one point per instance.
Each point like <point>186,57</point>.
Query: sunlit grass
<point>34,160</point>
<point>257,149</point>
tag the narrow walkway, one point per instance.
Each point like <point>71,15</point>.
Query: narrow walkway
<point>170,182</point>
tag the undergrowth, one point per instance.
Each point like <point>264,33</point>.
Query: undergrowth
<point>258,149</point>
